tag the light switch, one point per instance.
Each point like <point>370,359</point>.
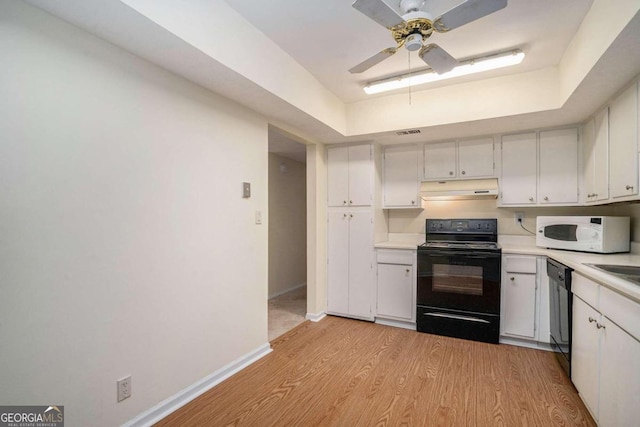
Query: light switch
<point>246,190</point>
<point>258,217</point>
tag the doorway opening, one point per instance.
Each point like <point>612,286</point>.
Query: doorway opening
<point>287,233</point>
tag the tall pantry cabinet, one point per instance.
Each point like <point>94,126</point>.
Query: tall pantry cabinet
<point>355,221</point>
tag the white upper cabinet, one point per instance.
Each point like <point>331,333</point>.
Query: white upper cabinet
<point>350,176</point>
<point>401,181</point>
<point>440,160</point>
<point>596,158</point>
<point>476,158</point>
<point>473,158</point>
<point>623,144</point>
<point>558,179</point>
<point>540,170</point>
<point>519,169</point>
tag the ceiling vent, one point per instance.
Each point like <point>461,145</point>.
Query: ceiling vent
<point>408,132</point>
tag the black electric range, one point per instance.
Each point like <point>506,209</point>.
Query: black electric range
<point>458,291</point>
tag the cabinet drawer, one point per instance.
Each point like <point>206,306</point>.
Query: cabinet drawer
<point>395,256</point>
<point>586,289</point>
<point>520,264</point>
<point>621,310</point>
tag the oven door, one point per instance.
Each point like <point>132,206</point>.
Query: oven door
<point>468,280</point>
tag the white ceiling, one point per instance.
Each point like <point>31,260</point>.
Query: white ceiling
<point>289,60</point>
<point>327,37</point>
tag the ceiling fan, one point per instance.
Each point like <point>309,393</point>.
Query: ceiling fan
<point>415,26</point>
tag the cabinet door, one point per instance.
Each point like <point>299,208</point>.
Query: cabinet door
<point>584,353</point>
<point>601,156</point>
<point>361,273</point>
<point>558,166</point>
<point>475,158</point>
<point>519,309</point>
<point>338,263</point>
<point>338,176</point>
<point>619,377</point>
<point>440,160</point>
<point>395,291</point>
<point>519,169</point>
<point>589,161</point>
<point>401,176</point>
<point>623,144</point>
<point>360,175</point>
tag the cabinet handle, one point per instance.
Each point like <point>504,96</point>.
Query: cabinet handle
<point>408,270</point>
<point>450,173</point>
<point>350,202</point>
<point>629,187</point>
<point>600,326</point>
<point>595,194</point>
<point>344,215</point>
<point>413,202</point>
<point>463,172</point>
<point>531,199</point>
<point>344,202</point>
<point>512,278</point>
<point>350,215</point>
<point>546,198</point>
<point>591,319</point>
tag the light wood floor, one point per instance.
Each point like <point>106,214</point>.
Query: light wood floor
<point>342,372</point>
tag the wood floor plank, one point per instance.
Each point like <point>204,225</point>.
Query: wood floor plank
<point>343,372</point>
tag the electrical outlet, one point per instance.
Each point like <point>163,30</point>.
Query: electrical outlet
<point>519,217</point>
<point>124,388</point>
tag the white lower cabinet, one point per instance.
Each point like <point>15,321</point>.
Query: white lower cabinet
<point>524,306</point>
<point>605,353</point>
<point>519,290</point>
<point>396,284</point>
<point>350,275</point>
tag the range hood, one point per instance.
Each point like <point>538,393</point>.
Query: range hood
<point>460,189</point>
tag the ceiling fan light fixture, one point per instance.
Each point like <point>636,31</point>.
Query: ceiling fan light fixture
<point>470,66</point>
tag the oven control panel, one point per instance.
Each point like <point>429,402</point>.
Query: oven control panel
<point>462,226</point>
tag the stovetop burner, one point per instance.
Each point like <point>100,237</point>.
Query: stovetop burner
<point>462,234</point>
<point>461,245</point>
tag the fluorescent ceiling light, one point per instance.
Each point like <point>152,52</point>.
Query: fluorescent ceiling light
<point>470,66</point>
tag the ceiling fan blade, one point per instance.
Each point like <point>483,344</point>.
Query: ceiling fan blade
<point>466,12</point>
<point>379,11</point>
<point>437,58</point>
<point>375,59</point>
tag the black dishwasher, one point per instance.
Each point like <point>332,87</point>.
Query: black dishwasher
<point>560,311</point>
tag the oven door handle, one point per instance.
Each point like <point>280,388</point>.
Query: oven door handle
<point>457,317</point>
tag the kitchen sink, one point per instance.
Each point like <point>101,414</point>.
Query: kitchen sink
<point>626,272</point>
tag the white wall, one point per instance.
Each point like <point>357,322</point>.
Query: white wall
<point>287,224</point>
<point>125,245</point>
<point>413,221</point>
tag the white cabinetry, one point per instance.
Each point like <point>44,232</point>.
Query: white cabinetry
<point>605,354</point>
<point>558,175</point>
<point>396,285</point>
<point>519,289</point>
<point>623,144</point>
<point>518,185</point>
<point>596,158</point>
<point>524,306</point>
<point>349,171</point>
<point>401,181</point>
<point>540,170</point>
<point>350,274</point>
<point>472,158</point>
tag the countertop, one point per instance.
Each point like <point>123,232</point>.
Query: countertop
<point>524,245</point>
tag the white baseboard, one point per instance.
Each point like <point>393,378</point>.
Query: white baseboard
<point>396,323</point>
<point>316,317</point>
<point>173,403</point>
<point>525,343</point>
<point>284,291</point>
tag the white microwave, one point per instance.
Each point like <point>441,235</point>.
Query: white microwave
<point>601,234</point>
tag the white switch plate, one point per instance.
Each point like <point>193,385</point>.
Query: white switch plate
<point>258,217</point>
